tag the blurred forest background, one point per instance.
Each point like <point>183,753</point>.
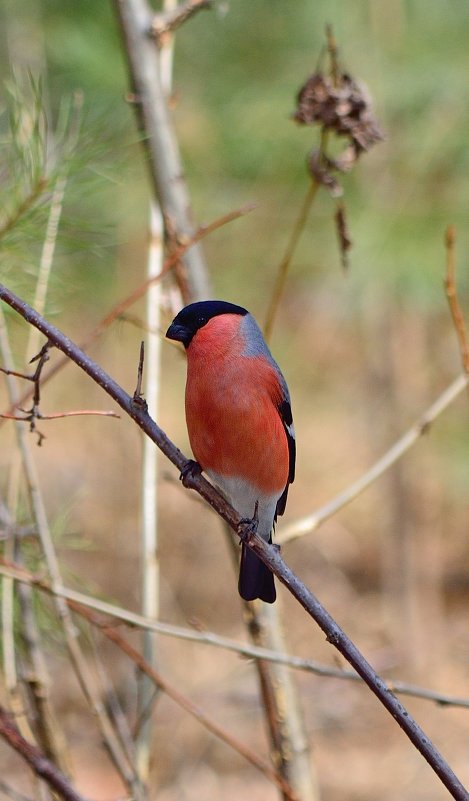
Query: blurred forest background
<point>364,352</point>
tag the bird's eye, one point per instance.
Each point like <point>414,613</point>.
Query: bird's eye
<point>201,321</point>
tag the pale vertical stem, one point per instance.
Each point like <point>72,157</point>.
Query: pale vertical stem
<point>159,140</point>
<point>45,264</point>
<point>8,635</point>
<point>290,752</point>
<point>292,742</point>
<point>149,524</point>
<point>290,748</point>
<point>8,649</point>
<point>149,533</point>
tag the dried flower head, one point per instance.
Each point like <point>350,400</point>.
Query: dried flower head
<point>341,106</point>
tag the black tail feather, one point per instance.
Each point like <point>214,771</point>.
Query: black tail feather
<point>255,578</point>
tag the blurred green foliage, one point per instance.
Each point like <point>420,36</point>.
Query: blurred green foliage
<point>237,71</point>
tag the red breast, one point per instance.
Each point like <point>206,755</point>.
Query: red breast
<point>231,408</point>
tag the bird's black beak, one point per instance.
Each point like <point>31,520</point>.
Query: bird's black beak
<point>180,333</point>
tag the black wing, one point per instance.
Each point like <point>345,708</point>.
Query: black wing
<point>284,410</point>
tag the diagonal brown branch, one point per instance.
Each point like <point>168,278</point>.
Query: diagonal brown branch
<point>267,553</point>
<point>36,760</point>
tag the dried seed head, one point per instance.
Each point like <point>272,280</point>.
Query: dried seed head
<point>343,107</point>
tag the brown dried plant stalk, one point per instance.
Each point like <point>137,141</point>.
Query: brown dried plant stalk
<point>451,293</point>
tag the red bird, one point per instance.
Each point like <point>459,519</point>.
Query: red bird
<point>239,421</point>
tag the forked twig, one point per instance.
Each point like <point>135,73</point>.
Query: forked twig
<point>32,415</point>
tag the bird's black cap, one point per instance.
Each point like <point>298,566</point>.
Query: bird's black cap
<point>196,315</point>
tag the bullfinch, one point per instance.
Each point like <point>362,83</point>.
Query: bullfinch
<point>239,421</point>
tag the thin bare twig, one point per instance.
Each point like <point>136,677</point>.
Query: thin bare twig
<point>36,760</point>
<point>284,266</point>
<point>149,554</point>
<point>451,293</point>
<point>149,492</point>
<point>311,522</point>
<point>266,552</point>
<point>58,415</point>
<point>182,700</point>
<point>135,620</point>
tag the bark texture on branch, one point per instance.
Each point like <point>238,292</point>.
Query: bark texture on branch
<point>166,170</point>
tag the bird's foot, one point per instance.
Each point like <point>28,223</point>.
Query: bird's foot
<point>248,525</point>
<point>189,471</point>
